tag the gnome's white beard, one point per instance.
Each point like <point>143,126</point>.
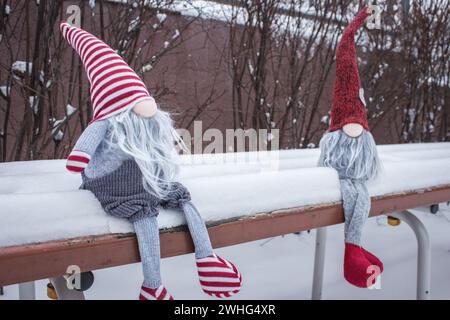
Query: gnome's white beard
<point>151,142</point>
<point>353,158</point>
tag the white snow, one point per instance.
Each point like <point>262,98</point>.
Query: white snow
<point>133,24</point>
<point>241,184</point>
<point>176,34</point>
<point>147,68</point>
<point>34,103</point>
<point>5,90</point>
<point>325,119</point>
<point>161,17</point>
<point>22,67</point>
<point>70,109</point>
<point>59,135</point>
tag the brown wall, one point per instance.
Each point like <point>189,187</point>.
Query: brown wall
<point>192,80</point>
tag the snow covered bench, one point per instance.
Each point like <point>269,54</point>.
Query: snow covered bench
<point>48,224</point>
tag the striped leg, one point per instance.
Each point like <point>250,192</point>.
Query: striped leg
<point>218,277</point>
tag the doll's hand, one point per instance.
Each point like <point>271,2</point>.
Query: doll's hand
<point>77,161</point>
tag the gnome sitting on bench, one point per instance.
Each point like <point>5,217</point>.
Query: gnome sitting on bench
<point>349,148</point>
<point>128,160</point>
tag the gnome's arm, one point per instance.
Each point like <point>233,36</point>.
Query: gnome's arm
<point>86,145</point>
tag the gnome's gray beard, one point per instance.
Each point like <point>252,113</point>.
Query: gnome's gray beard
<point>356,161</point>
<point>151,142</point>
<point>353,158</point>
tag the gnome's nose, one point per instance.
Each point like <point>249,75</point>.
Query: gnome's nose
<point>353,130</point>
<point>146,108</point>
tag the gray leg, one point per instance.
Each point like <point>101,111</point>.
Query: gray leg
<point>27,291</point>
<point>423,255</point>
<point>198,231</point>
<point>356,204</point>
<point>319,263</point>
<point>147,233</point>
<point>63,292</point>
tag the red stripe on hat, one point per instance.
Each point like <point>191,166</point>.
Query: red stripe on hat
<point>97,115</point>
<point>77,37</point>
<point>95,76</point>
<point>119,98</point>
<point>83,40</point>
<point>94,56</point>
<point>107,66</point>
<point>104,88</point>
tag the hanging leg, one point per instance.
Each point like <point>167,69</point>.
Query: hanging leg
<point>319,263</point>
<point>147,233</point>
<point>218,276</point>
<point>423,254</point>
<point>198,231</point>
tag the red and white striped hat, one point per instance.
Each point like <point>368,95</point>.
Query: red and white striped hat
<point>115,87</point>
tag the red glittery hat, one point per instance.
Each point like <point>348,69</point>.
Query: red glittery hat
<point>348,96</point>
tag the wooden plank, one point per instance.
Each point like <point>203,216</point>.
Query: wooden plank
<point>37,261</point>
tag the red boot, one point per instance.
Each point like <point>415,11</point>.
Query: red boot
<point>373,259</point>
<point>356,266</point>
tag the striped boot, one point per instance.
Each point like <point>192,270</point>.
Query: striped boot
<point>159,293</point>
<point>218,277</point>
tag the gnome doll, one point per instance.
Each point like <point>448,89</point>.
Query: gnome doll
<point>349,148</point>
<point>127,158</point>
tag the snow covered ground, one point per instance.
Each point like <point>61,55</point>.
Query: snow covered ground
<point>281,268</point>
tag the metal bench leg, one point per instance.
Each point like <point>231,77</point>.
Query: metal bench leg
<point>63,292</point>
<point>27,291</point>
<point>423,255</point>
<point>319,263</point>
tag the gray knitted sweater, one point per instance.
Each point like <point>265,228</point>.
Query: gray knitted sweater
<point>105,158</point>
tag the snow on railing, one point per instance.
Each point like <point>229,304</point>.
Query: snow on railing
<point>47,206</point>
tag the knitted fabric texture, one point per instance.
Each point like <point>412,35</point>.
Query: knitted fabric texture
<point>197,229</point>
<point>178,195</point>
<point>122,194</point>
<point>147,232</point>
<point>356,208</point>
<point>115,87</point>
<point>347,106</point>
<point>104,157</point>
